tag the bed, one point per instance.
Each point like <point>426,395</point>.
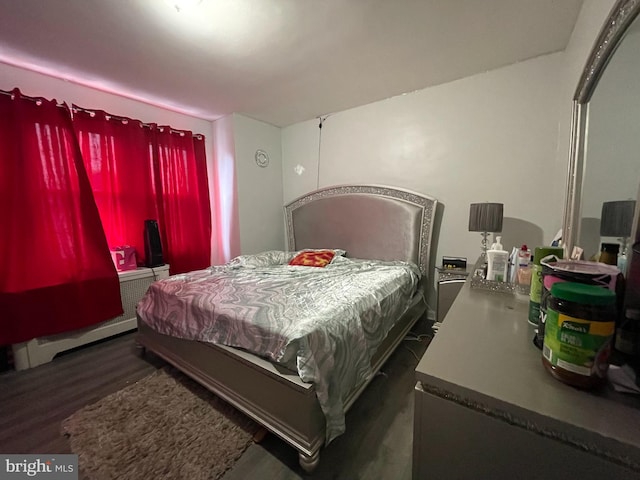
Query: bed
<point>381,224</point>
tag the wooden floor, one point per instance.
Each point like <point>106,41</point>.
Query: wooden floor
<point>34,402</point>
<point>377,443</point>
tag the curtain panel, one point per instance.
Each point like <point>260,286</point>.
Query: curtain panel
<point>56,271</point>
<point>182,191</point>
<point>118,159</point>
<point>142,171</point>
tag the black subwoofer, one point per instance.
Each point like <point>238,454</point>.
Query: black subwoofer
<point>152,244</point>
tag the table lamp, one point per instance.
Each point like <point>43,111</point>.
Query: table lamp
<point>485,217</point>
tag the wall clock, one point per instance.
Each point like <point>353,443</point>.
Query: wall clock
<point>262,158</point>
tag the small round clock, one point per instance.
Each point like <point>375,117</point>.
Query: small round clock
<point>262,158</point>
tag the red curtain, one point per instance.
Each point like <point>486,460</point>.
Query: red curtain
<point>180,173</point>
<point>118,159</point>
<point>56,271</point>
<point>142,171</point>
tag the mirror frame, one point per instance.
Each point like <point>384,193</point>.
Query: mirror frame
<point>622,15</point>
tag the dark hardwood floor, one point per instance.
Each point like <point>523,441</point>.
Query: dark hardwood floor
<point>377,444</point>
<point>34,402</point>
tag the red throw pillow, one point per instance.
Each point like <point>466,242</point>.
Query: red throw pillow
<point>316,258</point>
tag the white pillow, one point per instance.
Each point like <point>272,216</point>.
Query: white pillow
<point>262,259</point>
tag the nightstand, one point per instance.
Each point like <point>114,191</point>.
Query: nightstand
<point>449,282</point>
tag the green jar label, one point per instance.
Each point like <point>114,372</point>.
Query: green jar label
<point>575,344</point>
<point>534,312</point>
<point>535,294</point>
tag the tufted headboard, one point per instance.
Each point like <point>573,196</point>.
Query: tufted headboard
<point>368,221</point>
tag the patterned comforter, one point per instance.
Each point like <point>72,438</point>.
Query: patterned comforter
<point>324,323</point>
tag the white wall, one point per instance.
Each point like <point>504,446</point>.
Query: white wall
<point>225,234</point>
<point>259,189</point>
<point>489,137</point>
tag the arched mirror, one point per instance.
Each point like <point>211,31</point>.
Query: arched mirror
<point>604,171</point>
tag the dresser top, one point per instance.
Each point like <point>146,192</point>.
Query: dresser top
<point>483,357</point>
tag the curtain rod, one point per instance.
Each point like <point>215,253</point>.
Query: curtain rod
<point>75,108</point>
<point>110,116</point>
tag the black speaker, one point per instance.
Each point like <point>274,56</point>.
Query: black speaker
<point>152,244</point>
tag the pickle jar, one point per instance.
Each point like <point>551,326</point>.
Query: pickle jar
<point>580,326</point>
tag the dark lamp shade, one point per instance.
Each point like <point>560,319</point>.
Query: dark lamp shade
<point>617,218</point>
<point>485,217</point>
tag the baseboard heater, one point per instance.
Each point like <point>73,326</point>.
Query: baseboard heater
<point>133,285</point>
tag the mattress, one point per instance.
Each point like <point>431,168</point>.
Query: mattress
<point>324,323</point>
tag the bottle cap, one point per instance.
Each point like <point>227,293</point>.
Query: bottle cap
<point>583,293</point>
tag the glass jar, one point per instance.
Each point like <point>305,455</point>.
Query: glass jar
<point>580,326</point>
<point>609,253</point>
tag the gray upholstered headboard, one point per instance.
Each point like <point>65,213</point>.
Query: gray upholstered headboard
<point>368,221</point>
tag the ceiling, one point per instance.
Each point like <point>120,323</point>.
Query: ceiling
<point>279,61</point>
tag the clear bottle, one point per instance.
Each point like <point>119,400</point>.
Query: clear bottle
<point>497,262</point>
<point>622,263</point>
<point>523,273</point>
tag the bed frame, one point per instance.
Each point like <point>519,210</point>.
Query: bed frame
<point>367,221</point>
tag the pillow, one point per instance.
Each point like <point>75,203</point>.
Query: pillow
<point>313,258</point>
<point>263,259</point>
<point>337,252</point>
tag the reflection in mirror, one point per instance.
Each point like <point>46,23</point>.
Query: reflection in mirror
<point>612,154</point>
<point>604,164</point>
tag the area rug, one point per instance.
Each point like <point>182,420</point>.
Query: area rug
<point>163,426</point>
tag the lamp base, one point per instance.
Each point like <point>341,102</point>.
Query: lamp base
<point>480,269</point>
<point>484,245</point>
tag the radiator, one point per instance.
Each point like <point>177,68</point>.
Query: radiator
<point>133,285</point>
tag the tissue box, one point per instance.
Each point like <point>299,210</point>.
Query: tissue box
<point>124,258</point>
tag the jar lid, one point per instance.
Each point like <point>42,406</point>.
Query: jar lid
<point>541,253</point>
<point>583,269</point>
<point>583,293</point>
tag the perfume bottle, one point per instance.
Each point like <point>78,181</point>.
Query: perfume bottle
<point>523,275</point>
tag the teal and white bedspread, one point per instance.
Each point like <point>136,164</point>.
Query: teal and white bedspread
<point>324,323</point>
